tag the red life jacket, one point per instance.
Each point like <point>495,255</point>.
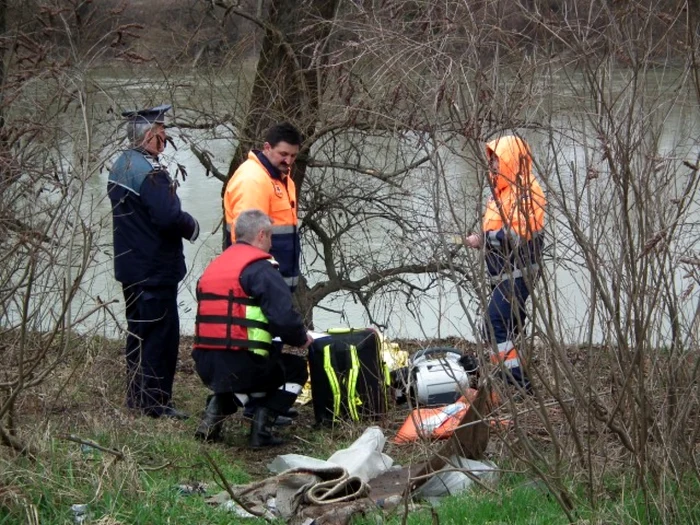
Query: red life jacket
<point>227,319</point>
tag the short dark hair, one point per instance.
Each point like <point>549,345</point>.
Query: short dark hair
<point>283,132</point>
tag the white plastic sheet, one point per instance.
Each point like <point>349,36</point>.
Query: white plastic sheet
<point>290,461</point>
<point>449,480</point>
<point>364,458</point>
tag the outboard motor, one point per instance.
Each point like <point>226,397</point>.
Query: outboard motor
<point>435,376</point>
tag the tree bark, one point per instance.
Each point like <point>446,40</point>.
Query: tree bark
<point>288,76</point>
<point>286,88</point>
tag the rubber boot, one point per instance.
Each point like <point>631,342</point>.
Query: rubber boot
<point>210,426</point>
<point>280,420</point>
<point>261,429</point>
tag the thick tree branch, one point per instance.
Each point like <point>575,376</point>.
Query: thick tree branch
<point>204,158</point>
<point>16,444</point>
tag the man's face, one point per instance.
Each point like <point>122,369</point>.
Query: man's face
<point>266,240</point>
<point>282,155</point>
<point>154,141</point>
<point>493,167</point>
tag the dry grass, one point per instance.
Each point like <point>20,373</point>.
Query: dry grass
<point>84,399</point>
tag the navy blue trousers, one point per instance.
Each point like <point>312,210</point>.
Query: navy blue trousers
<point>151,346</point>
<point>506,311</point>
<point>225,373</point>
<point>505,318</point>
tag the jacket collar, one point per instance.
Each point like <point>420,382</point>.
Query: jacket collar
<point>274,172</point>
<point>146,153</point>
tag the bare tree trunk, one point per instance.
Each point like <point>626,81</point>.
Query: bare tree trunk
<point>286,87</point>
<point>288,76</point>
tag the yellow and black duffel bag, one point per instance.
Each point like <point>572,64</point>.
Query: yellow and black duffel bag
<point>348,377</point>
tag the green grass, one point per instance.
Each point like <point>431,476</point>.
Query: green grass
<point>158,456</point>
<point>142,488</point>
<point>669,503</point>
<point>514,502</point>
<point>519,501</point>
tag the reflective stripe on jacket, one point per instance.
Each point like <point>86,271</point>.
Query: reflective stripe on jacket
<point>227,319</point>
<point>514,218</point>
<point>252,186</point>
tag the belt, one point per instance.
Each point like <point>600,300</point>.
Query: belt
<point>514,274</point>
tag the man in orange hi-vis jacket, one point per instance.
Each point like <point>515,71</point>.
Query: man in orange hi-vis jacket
<point>264,182</point>
<point>512,239</point>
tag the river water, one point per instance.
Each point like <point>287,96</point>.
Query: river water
<point>437,314</point>
<point>442,311</point>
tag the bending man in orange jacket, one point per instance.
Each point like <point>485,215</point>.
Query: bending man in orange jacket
<point>264,182</point>
<point>512,239</point>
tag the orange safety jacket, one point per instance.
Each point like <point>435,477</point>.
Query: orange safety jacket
<point>514,218</point>
<point>252,186</point>
<point>227,319</point>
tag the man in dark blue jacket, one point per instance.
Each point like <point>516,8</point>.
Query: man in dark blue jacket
<point>149,226</point>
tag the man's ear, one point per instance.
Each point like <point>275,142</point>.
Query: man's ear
<point>148,135</point>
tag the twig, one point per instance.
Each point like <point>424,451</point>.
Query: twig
<point>229,488</point>
<point>549,404</point>
<point>303,440</point>
<point>14,443</point>
<point>205,160</point>
<point>90,443</point>
<point>159,467</point>
<point>690,260</point>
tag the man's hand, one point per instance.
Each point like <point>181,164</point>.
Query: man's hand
<point>309,340</point>
<point>473,241</point>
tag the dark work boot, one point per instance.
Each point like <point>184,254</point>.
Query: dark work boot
<point>209,428</point>
<point>280,420</point>
<point>249,408</point>
<point>261,429</point>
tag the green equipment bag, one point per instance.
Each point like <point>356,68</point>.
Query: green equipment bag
<point>348,377</point>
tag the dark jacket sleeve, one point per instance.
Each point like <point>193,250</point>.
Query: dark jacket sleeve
<point>164,207</point>
<point>261,280</point>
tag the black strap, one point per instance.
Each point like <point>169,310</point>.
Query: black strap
<point>208,296</point>
<point>240,343</point>
<point>340,356</point>
<point>229,320</point>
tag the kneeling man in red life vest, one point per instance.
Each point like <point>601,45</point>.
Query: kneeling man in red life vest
<point>242,304</point>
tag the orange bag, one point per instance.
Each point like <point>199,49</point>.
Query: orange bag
<point>434,423</point>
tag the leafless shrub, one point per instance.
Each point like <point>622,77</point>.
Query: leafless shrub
<point>396,99</point>
<point>408,90</point>
<point>49,149</point>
